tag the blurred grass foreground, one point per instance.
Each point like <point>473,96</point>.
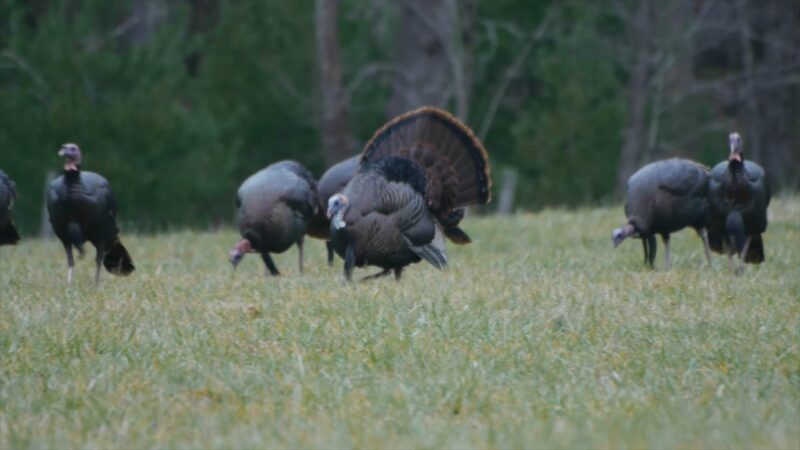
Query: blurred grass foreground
<point>540,335</point>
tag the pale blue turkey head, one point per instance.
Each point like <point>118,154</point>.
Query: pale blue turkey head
<point>72,156</point>
<point>337,205</point>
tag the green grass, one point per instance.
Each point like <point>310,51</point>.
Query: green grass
<point>541,335</point>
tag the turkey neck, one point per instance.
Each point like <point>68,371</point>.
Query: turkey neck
<point>739,189</point>
<point>72,176</point>
<point>74,184</point>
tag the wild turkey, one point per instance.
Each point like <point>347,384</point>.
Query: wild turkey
<point>415,174</point>
<point>82,208</point>
<point>333,181</point>
<point>8,192</point>
<point>738,199</point>
<point>664,197</point>
<point>276,206</point>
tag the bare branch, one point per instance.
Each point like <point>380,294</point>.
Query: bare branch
<point>118,31</point>
<point>368,71</point>
<point>512,71</point>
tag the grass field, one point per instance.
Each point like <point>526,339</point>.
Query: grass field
<point>541,335</point>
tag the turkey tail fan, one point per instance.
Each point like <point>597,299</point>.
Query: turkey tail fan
<point>450,224</point>
<point>455,163</point>
<point>715,242</point>
<point>117,259</point>
<point>9,235</point>
<point>457,236</point>
<point>755,251</point>
<point>433,252</point>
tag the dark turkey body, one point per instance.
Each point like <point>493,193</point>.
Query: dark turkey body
<point>276,205</point>
<point>667,196</point>
<point>738,199</point>
<point>664,197</point>
<point>82,208</point>
<point>383,218</point>
<point>6,201</point>
<point>8,234</point>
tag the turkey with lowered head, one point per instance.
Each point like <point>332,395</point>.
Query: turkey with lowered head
<point>275,207</point>
<point>664,197</point>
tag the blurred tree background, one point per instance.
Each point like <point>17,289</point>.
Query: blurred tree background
<point>176,102</point>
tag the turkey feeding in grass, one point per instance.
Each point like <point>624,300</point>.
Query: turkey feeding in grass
<point>416,175</point>
<point>82,208</point>
<point>664,197</point>
<point>275,207</point>
<point>738,199</point>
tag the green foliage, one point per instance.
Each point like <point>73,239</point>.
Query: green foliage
<point>540,336</point>
<point>176,115</point>
<point>173,145</point>
<point>567,136</point>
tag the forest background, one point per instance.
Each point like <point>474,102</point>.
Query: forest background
<point>176,102</point>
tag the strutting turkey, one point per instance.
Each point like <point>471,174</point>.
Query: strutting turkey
<point>415,176</point>
<point>332,182</point>
<point>738,199</point>
<point>275,207</point>
<point>82,208</point>
<point>8,193</point>
<point>664,197</point>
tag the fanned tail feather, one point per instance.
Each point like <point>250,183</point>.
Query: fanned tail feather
<point>117,259</point>
<point>715,242</point>
<point>455,163</point>
<point>432,252</point>
<point>9,235</point>
<point>457,236</point>
<point>755,252</point>
<point>451,229</point>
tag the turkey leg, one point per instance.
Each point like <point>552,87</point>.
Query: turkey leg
<point>731,251</point>
<point>667,260</point>
<point>300,248</point>
<point>270,264</point>
<point>329,246</point>
<point>70,262</point>
<point>349,262</point>
<point>742,255</point>
<point>380,274</point>
<point>706,247</point>
<point>98,260</point>
<point>651,243</point>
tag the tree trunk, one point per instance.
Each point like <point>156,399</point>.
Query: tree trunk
<point>751,113</point>
<point>632,147</point>
<point>337,141</point>
<point>771,108</point>
<point>204,15</point>
<point>424,72</point>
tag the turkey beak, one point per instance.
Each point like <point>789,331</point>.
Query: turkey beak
<point>621,233</point>
<point>235,257</point>
<point>61,152</point>
<point>238,251</point>
<point>735,143</point>
<point>617,237</point>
